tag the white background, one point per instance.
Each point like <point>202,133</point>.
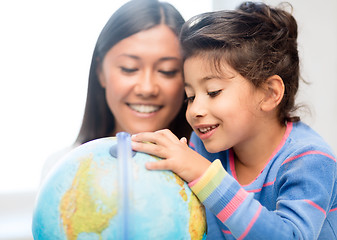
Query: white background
<point>45,54</point>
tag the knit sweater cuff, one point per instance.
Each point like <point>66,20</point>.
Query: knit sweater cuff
<point>209,181</point>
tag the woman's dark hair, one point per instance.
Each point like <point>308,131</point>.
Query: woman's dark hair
<point>256,40</point>
<point>133,17</point>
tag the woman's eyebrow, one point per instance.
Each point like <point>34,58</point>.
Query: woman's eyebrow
<point>163,59</point>
<point>169,59</point>
<point>130,56</point>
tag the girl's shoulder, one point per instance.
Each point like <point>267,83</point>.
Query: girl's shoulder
<point>304,151</point>
<point>303,137</point>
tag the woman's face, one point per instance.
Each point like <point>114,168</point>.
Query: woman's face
<point>142,77</point>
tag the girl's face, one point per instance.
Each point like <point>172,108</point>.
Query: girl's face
<point>142,77</point>
<point>223,109</point>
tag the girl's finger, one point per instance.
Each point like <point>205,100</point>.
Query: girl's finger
<point>161,137</point>
<point>144,137</point>
<point>148,148</point>
<point>159,165</point>
<point>167,135</point>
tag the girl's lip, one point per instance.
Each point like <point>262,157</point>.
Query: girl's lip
<point>206,131</point>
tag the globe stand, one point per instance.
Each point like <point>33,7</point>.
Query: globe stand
<point>124,157</point>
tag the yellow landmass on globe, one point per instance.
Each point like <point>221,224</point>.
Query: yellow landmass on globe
<point>81,206</point>
<point>182,192</point>
<point>197,223</point>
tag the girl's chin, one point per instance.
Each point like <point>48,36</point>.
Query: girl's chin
<point>212,149</point>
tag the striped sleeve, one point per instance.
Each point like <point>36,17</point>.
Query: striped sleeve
<point>224,197</point>
<point>295,198</point>
<point>298,214</point>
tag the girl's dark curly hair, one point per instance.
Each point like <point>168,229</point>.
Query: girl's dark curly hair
<point>256,40</point>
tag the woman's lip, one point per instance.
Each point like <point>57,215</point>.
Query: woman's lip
<point>144,108</point>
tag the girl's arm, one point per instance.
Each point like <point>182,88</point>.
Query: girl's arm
<point>305,188</point>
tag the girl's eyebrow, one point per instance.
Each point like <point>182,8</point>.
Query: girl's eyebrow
<point>204,79</point>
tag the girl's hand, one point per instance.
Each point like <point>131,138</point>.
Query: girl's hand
<point>176,154</point>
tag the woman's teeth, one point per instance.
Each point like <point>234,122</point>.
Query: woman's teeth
<point>207,129</point>
<point>144,108</point>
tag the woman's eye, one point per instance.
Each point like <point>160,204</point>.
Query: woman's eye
<point>169,73</point>
<point>214,93</point>
<point>129,70</point>
<point>189,99</point>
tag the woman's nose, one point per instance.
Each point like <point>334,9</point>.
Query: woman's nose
<point>147,85</point>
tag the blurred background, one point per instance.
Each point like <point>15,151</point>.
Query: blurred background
<point>45,54</point>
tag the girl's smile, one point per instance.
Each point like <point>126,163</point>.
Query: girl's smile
<point>206,131</point>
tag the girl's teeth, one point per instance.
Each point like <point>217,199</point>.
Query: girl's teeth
<point>144,108</point>
<point>207,129</point>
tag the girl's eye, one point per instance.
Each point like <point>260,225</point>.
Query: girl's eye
<point>169,73</point>
<point>189,99</point>
<point>129,70</point>
<point>214,93</point>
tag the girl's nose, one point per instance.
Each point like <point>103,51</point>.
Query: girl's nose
<point>197,108</point>
<point>147,86</point>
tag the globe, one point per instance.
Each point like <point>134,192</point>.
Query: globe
<point>102,190</point>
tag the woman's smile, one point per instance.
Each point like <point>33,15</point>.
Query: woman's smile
<point>144,108</point>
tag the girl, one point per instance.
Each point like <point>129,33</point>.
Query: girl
<point>260,172</point>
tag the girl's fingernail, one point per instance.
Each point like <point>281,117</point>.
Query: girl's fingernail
<point>148,165</point>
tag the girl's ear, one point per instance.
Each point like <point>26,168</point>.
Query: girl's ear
<point>274,89</point>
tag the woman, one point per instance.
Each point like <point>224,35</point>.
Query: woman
<point>135,79</point>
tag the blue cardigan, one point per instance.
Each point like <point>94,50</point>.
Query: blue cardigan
<point>294,197</point>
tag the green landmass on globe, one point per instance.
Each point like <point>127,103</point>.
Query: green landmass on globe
<point>81,199</point>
